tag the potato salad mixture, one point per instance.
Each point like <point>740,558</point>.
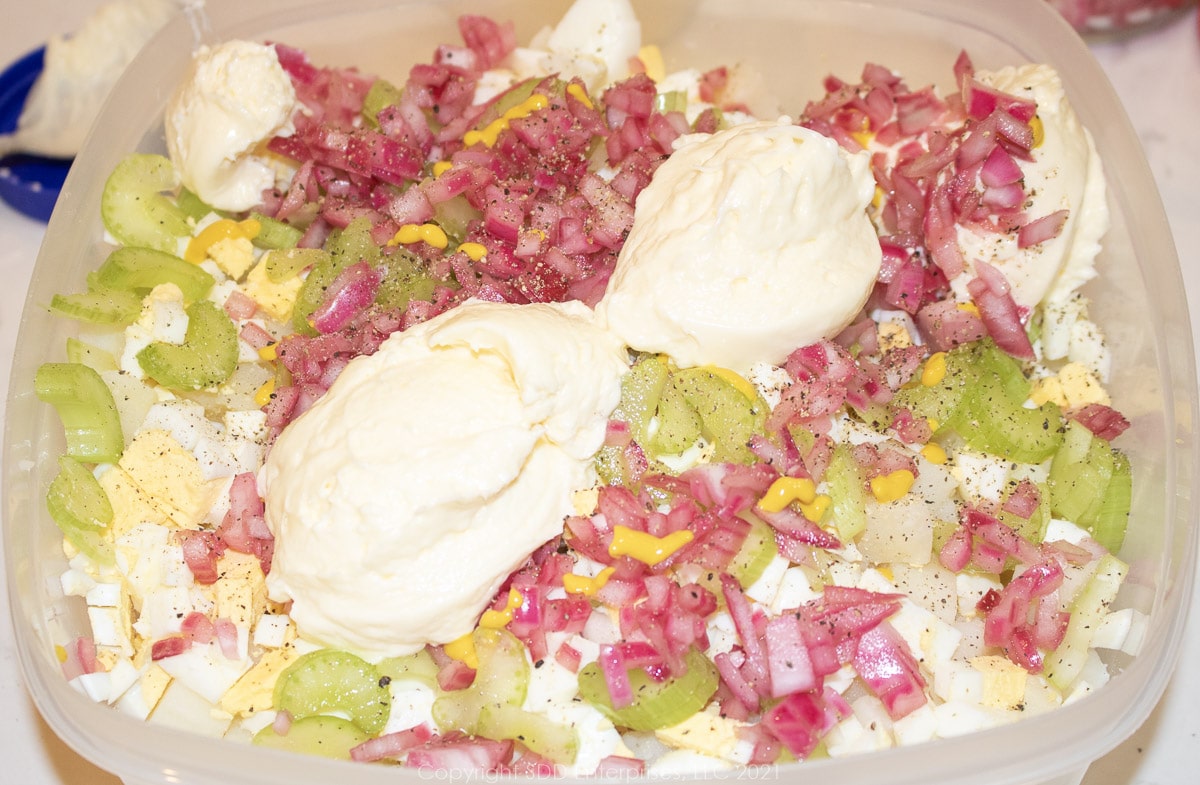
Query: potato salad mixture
<point>547,412</point>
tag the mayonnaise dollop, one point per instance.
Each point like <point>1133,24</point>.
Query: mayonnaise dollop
<point>1065,173</point>
<point>747,244</point>
<point>595,40</point>
<point>430,470</point>
<point>235,98</point>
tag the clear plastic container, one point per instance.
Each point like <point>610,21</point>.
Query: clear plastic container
<point>1139,298</point>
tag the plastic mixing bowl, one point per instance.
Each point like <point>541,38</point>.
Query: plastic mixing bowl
<point>1138,298</point>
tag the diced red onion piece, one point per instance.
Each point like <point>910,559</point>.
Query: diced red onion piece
<point>998,310</point>
<point>883,661</point>
<point>1041,230</point>
<point>391,745</point>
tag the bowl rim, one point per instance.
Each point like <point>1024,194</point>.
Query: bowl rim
<point>154,754</point>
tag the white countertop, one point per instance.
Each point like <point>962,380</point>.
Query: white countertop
<point>1158,78</point>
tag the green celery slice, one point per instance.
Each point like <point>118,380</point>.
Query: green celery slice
<point>1032,528</point>
<point>610,466</point>
<point>274,234</point>
<point>76,500</point>
<point>1063,665</point>
<point>134,208</point>
<point>81,509</point>
<point>328,680</point>
<point>346,247</point>
<point>943,400</point>
<point>728,416</point>
<point>679,424</point>
<point>92,356</point>
<point>354,244</point>
<point>404,280</point>
<point>320,277</point>
<point>538,733</point>
<point>329,737</point>
<point>419,666</point>
<point>286,263</point>
<point>655,704</point>
<point>207,358</point>
<point>502,679</point>
<point>514,97</point>
<point>380,96</point>
<point>1091,485</point>
<point>193,206</point>
<point>674,101</point>
<point>848,512</point>
<point>109,307</point>
<point>993,421</point>
<point>141,269</point>
<point>641,388</point>
<point>757,551</point>
<point>940,401</point>
<point>455,216</point>
<point>1080,475</point>
<point>87,410</point>
<point>1112,517</point>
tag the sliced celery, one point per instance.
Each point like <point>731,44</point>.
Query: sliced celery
<point>501,679</point>
<point>938,401</point>
<point>679,424</point>
<point>87,410</point>
<point>610,465</point>
<point>419,666</point>
<point>93,357</point>
<point>641,389</point>
<point>541,735</point>
<point>346,247</point>
<point>207,358</point>
<point>329,737</point>
<point>1063,665</point>
<point>656,704</point>
<point>1090,485</point>
<point>991,419</point>
<point>141,269</point>
<point>134,208</point>
<point>849,509</point>
<point>673,101</point>
<point>76,500</point>
<point>274,234</point>
<point>354,244</point>
<point>81,509</point>
<point>380,96</point>
<point>1112,517</point>
<point>286,263</point>
<point>942,399</point>
<point>319,278</point>
<point>111,307</point>
<point>728,416</point>
<point>404,280</point>
<point>757,551</point>
<point>193,206</point>
<point>516,95</point>
<point>455,216</point>
<point>1032,528</point>
<point>328,680</point>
